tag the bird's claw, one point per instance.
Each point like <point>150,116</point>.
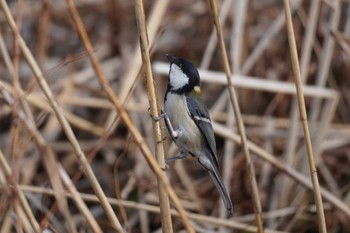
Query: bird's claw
<point>158,118</point>
<point>166,167</point>
<point>162,140</point>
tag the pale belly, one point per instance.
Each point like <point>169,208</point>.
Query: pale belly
<point>189,139</point>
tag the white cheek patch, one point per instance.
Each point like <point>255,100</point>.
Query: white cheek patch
<point>177,78</point>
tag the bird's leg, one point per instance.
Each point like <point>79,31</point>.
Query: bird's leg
<point>160,117</point>
<point>173,133</point>
<point>181,155</point>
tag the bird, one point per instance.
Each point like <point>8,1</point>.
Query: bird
<point>188,122</point>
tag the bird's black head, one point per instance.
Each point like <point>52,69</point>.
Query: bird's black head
<point>183,75</point>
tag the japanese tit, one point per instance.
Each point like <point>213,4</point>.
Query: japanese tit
<point>188,122</point>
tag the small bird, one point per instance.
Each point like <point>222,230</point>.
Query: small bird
<point>188,122</point>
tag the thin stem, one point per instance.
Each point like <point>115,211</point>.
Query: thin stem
<point>8,172</point>
<point>303,118</point>
<point>242,227</point>
<point>157,132</point>
<point>38,74</point>
<point>124,115</point>
<point>239,121</point>
<point>292,173</point>
<point>79,200</point>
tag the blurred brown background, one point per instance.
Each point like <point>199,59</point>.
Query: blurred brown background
<point>256,40</point>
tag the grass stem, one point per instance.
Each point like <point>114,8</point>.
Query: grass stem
<point>303,118</point>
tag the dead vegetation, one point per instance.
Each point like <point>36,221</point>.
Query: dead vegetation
<point>70,162</point>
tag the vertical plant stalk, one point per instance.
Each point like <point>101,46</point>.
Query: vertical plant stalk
<point>154,21</point>
<point>157,132</point>
<point>26,116</point>
<point>239,121</point>
<point>79,200</point>
<point>326,56</point>
<point>8,173</point>
<point>38,74</point>
<point>126,118</point>
<point>303,117</point>
<point>286,184</point>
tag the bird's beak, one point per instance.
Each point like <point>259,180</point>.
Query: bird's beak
<point>171,58</point>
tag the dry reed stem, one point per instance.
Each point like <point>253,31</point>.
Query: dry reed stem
<point>237,36</point>
<point>16,151</point>
<point>256,83</point>
<point>117,191</point>
<point>157,132</point>
<point>342,41</point>
<point>322,126</point>
<point>49,159</point>
<point>239,121</point>
<point>227,161</point>
<point>155,209</point>
<point>124,115</point>
<point>267,39</point>
<point>62,120</point>
<point>22,220</point>
<point>211,45</point>
<point>297,176</point>
<point>39,102</point>
<point>326,57</point>
<point>5,55</point>
<point>44,26</point>
<point>10,67</point>
<point>187,181</point>
<point>154,22</point>
<point>287,185</point>
<point>7,222</point>
<point>303,117</point>
<point>309,38</point>
<point>78,200</point>
<point>30,216</point>
<point>240,8</point>
<point>188,184</point>
<point>28,120</point>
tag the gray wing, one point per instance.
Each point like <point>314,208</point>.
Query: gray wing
<point>200,115</point>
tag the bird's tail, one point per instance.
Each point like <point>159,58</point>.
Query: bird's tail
<point>214,173</point>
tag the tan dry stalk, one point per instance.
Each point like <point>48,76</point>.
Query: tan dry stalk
<point>47,153</point>
<point>78,200</point>
<point>40,102</point>
<point>326,55</point>
<point>239,121</point>
<point>8,172</point>
<point>43,31</point>
<point>267,39</point>
<point>155,209</point>
<point>290,150</point>
<point>153,102</point>
<point>155,19</point>
<point>22,224</point>
<point>124,115</point>
<point>303,118</point>
<point>297,176</point>
<point>38,74</point>
<point>7,220</point>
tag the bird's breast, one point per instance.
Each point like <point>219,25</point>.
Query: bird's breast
<point>190,136</point>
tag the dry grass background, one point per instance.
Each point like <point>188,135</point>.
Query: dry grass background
<point>64,148</point>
